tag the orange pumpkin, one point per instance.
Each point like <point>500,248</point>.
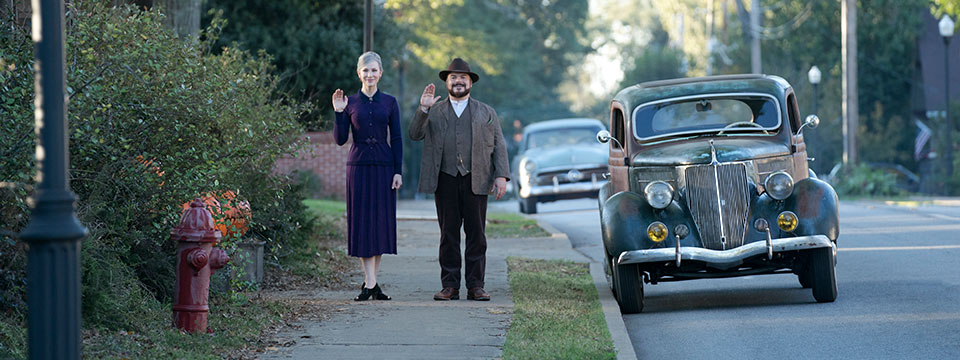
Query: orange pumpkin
<point>231,215</point>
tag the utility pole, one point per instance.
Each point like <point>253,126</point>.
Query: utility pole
<point>368,25</point>
<point>851,114</point>
<point>755,64</point>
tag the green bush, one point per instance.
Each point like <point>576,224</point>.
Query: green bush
<point>863,180</point>
<point>155,120</point>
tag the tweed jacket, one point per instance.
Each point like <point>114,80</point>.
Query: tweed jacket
<point>488,151</point>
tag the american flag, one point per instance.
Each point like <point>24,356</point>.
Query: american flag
<point>922,137</point>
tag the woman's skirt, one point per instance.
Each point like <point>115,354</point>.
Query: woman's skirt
<point>371,211</point>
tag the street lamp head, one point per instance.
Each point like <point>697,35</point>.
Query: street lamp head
<point>814,75</point>
<point>946,26</point>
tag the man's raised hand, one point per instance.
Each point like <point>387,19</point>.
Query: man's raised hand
<point>428,99</point>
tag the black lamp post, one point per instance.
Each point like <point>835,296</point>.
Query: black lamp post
<point>814,76</point>
<point>54,232</point>
<point>946,30</point>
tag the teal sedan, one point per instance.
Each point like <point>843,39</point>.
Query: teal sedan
<point>559,159</point>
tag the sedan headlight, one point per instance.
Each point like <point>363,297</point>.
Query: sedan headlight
<point>659,194</point>
<point>529,165</point>
<point>779,185</point>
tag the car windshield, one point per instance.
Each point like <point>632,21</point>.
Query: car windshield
<point>706,115</point>
<point>562,137</point>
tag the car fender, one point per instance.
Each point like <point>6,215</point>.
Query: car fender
<point>625,216</point>
<point>816,205</point>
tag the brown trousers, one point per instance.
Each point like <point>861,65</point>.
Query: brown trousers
<point>458,206</point>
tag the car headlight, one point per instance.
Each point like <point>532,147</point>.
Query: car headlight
<point>659,194</point>
<point>529,165</point>
<point>779,185</point>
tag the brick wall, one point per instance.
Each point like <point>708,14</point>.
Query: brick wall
<point>324,158</point>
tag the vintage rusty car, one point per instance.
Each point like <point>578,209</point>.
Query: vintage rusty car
<point>557,160</point>
<point>709,179</point>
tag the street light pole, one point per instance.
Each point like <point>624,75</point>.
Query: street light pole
<point>54,232</point>
<point>946,30</point>
<point>814,76</point>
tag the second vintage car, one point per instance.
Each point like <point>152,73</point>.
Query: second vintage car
<point>559,159</point>
<point>709,179</point>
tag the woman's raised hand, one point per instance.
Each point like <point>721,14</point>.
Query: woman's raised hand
<point>427,99</point>
<point>339,101</point>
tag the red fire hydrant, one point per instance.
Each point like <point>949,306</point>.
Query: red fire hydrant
<point>196,261</point>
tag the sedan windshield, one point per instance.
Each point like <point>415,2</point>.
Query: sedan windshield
<point>562,137</point>
<point>752,113</point>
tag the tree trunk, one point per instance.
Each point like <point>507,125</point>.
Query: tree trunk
<point>183,16</point>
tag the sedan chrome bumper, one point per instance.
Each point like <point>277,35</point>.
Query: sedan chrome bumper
<point>724,259</point>
<point>555,189</point>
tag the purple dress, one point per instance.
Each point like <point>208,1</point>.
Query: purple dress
<point>371,164</point>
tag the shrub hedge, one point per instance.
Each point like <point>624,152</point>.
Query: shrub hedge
<point>155,120</point>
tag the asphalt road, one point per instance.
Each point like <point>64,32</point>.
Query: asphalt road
<point>898,274</point>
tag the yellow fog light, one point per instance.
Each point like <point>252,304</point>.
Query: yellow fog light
<point>787,221</point>
<point>657,231</point>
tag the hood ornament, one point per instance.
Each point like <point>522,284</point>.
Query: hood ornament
<point>713,154</point>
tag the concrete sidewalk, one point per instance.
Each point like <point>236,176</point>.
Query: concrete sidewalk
<point>413,325</point>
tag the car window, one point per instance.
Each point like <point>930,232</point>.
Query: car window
<point>704,115</point>
<point>562,137</point>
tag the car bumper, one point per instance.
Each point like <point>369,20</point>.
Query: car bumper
<point>560,189</point>
<point>723,259</point>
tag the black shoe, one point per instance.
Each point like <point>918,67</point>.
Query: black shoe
<point>378,293</point>
<point>364,294</point>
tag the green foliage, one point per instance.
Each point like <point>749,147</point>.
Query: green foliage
<point>655,61</point>
<point>863,180</point>
<point>315,45</point>
<point>887,34</point>
<point>155,121</point>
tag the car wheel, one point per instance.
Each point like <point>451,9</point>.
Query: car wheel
<point>528,205</point>
<point>823,274</point>
<point>805,278</point>
<point>629,288</point>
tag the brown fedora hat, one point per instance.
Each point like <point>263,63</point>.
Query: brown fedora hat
<point>459,66</point>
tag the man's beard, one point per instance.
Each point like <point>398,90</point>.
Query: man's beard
<point>458,93</point>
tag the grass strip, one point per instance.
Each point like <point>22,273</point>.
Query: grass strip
<point>557,313</point>
<point>236,324</point>
<point>507,225</point>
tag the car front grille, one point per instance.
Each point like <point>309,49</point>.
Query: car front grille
<point>718,201</point>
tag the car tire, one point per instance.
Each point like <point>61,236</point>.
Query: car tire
<point>629,288</point>
<point>805,279</point>
<point>528,205</point>
<point>823,274</point>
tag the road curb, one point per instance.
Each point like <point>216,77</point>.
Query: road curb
<point>611,310</point>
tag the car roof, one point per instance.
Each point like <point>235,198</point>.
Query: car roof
<point>561,124</point>
<point>665,89</point>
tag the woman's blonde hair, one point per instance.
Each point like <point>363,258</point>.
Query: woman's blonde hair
<point>369,57</point>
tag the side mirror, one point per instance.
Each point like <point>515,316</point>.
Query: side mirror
<point>812,121</point>
<point>603,137</point>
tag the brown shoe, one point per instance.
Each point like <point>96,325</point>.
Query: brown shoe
<point>478,294</point>
<point>447,294</point>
